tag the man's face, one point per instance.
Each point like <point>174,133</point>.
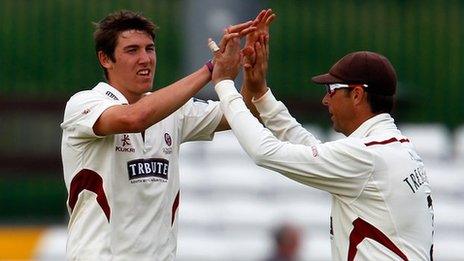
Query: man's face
<point>133,70</point>
<point>341,110</point>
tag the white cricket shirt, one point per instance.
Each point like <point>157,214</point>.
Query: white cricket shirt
<point>123,189</point>
<point>381,203</point>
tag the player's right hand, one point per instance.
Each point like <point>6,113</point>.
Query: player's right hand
<point>255,76</point>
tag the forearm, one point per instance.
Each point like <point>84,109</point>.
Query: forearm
<point>151,108</point>
<point>163,102</point>
<point>319,165</point>
<point>247,99</point>
<point>277,118</point>
<point>247,129</point>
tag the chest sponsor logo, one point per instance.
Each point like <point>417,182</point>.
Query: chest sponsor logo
<point>148,168</point>
<point>126,145</point>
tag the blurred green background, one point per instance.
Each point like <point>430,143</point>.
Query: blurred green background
<point>47,55</point>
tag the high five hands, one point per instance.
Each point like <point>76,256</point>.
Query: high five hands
<point>253,57</point>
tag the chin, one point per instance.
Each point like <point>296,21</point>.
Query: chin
<point>146,86</point>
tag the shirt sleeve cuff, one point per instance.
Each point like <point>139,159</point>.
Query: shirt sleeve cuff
<point>225,88</point>
<point>265,103</point>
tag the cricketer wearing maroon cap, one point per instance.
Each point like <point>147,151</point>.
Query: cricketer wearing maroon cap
<point>381,198</point>
<point>364,67</point>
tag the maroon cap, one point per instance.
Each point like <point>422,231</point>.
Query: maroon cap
<point>362,67</point>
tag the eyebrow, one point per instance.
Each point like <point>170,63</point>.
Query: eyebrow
<point>137,46</point>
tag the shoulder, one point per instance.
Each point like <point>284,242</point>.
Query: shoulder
<point>348,148</point>
<point>196,106</point>
<point>88,101</point>
<point>86,95</point>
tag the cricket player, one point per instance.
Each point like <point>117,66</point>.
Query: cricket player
<point>120,145</point>
<point>381,198</point>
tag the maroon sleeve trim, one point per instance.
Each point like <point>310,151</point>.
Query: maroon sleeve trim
<point>91,181</point>
<point>175,205</point>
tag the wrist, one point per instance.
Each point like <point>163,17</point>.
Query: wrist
<point>260,93</point>
<point>217,80</point>
<point>209,64</point>
<point>225,87</point>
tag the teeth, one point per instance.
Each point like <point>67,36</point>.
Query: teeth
<point>144,72</point>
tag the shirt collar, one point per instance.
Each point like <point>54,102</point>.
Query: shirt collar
<point>108,90</point>
<point>381,121</point>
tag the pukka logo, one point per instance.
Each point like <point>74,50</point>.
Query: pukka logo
<point>125,140</point>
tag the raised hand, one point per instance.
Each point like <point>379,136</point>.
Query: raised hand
<point>227,58</point>
<point>236,31</point>
<point>255,76</point>
<point>261,22</point>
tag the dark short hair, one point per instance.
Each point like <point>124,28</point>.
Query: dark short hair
<point>380,103</point>
<point>109,28</point>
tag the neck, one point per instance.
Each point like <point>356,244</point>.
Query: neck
<point>130,96</point>
<point>358,121</point>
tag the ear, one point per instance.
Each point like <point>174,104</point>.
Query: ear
<point>359,95</point>
<point>104,60</point>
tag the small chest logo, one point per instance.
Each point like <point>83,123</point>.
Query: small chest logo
<point>126,144</point>
<point>125,140</point>
<point>167,139</point>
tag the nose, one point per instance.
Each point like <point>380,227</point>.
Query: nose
<point>144,57</point>
<point>325,100</point>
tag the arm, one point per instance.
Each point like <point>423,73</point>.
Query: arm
<point>156,106</point>
<point>152,108</point>
<point>339,167</point>
<point>273,114</point>
<point>277,118</point>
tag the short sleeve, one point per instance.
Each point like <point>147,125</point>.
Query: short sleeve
<point>199,119</point>
<point>81,113</point>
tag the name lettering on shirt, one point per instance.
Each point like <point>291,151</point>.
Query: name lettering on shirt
<point>416,179</point>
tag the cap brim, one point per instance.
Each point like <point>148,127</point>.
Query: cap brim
<point>326,79</point>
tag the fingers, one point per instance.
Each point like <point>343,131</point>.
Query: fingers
<point>225,39</point>
<point>212,46</point>
<point>260,16</point>
<point>270,19</point>
<point>247,30</point>
<point>239,27</point>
